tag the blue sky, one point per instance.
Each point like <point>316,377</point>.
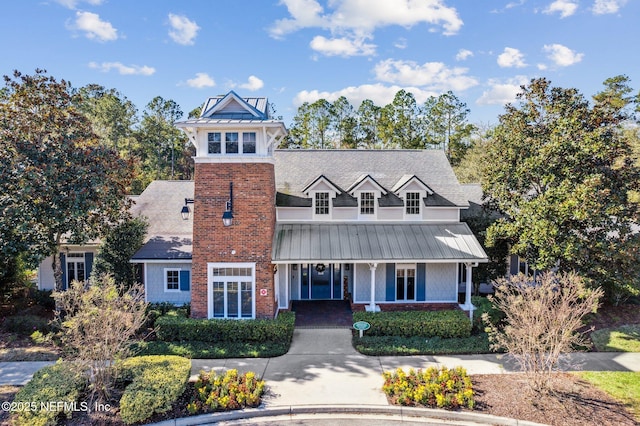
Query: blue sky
<point>293,51</point>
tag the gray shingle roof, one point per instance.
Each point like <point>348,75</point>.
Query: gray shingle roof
<point>168,235</point>
<point>295,168</point>
<point>328,242</point>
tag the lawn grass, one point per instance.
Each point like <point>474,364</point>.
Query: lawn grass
<point>623,386</point>
<point>625,338</point>
<point>394,345</point>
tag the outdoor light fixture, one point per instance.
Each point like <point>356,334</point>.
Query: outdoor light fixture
<point>227,216</point>
<point>185,209</point>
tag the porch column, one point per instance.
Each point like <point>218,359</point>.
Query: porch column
<point>372,305</point>
<point>468,306</point>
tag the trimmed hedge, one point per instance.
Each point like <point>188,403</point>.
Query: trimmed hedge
<point>175,329</point>
<point>443,324</point>
<point>156,383</point>
<point>58,387</point>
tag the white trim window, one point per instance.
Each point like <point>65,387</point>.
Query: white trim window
<point>412,203</point>
<point>249,142</point>
<point>171,279</point>
<point>405,283</point>
<point>321,203</point>
<point>75,267</point>
<point>231,290</point>
<point>367,203</point>
<point>214,143</point>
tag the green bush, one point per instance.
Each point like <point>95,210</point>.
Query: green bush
<point>484,305</point>
<point>433,387</point>
<point>156,383</point>
<point>175,328</point>
<point>401,346</point>
<point>228,391</point>
<point>443,324</point>
<point>156,310</point>
<point>26,324</point>
<point>210,350</point>
<point>58,384</point>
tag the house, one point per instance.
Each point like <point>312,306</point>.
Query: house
<point>259,227</point>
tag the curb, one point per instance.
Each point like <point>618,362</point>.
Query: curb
<point>403,413</point>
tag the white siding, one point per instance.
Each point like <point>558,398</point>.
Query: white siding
<point>442,282</point>
<point>390,213</point>
<point>294,213</point>
<point>363,283</point>
<point>441,214</point>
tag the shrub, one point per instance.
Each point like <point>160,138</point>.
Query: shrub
<point>228,391</point>
<point>156,310</point>
<point>26,324</point>
<point>156,383</point>
<point>433,387</point>
<point>444,324</point>
<point>175,328</point>
<point>57,383</point>
<point>394,345</point>
<point>484,305</point>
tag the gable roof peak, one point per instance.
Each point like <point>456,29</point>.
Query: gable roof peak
<point>233,104</point>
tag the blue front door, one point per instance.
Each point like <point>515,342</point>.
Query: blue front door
<point>321,281</point>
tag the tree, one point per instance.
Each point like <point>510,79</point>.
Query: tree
<point>368,118</point>
<point>57,182</point>
<point>97,323</point>
<point>561,175</point>
<point>470,168</point>
<point>542,319</point>
<point>344,123</point>
<point>446,126</point>
<point>117,248</point>
<point>399,120</point>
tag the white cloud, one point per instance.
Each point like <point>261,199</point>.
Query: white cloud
<point>183,30</point>
<point>435,75</point>
<point>564,7</point>
<point>201,80</point>
<point>511,58</point>
<point>463,54</point>
<point>342,47</point>
<point>94,27</point>
<point>561,55</point>
<point>603,7</point>
<point>72,4</point>
<point>401,43</point>
<point>253,84</point>
<point>502,92</point>
<point>378,93</point>
<point>352,21</point>
<point>123,69</point>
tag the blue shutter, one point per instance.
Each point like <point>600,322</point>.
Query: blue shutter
<point>88,264</point>
<point>63,266</point>
<point>391,282</point>
<point>514,265</point>
<point>421,282</point>
<point>185,280</point>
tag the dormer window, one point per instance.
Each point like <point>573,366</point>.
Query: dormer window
<point>367,203</point>
<point>412,203</point>
<point>321,200</point>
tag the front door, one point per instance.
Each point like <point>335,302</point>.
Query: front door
<point>320,281</point>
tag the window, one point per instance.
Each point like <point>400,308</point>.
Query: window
<point>322,203</point>
<point>367,203</point>
<point>249,143</point>
<point>172,280</point>
<point>231,143</point>
<point>75,267</point>
<point>232,289</point>
<point>215,143</point>
<point>412,203</point>
<point>405,282</point>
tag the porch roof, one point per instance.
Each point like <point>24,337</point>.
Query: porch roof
<point>361,243</point>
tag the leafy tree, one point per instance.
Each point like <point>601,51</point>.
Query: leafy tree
<point>321,124</point>
<point>56,180</point>
<point>561,174</point>
<point>470,168</point>
<point>446,126</point>
<point>300,134</point>
<point>344,123</point>
<point>118,246</point>
<point>368,118</point>
<point>399,121</point>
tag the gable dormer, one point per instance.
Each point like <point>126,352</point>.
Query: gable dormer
<point>234,129</point>
<point>321,191</point>
<point>412,190</point>
<point>367,191</point>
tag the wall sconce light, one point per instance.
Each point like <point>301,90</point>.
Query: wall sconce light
<point>227,216</point>
<point>185,212</point>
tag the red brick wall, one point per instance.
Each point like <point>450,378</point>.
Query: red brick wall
<point>251,235</point>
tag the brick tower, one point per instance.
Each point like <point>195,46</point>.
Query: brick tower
<point>232,273</point>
